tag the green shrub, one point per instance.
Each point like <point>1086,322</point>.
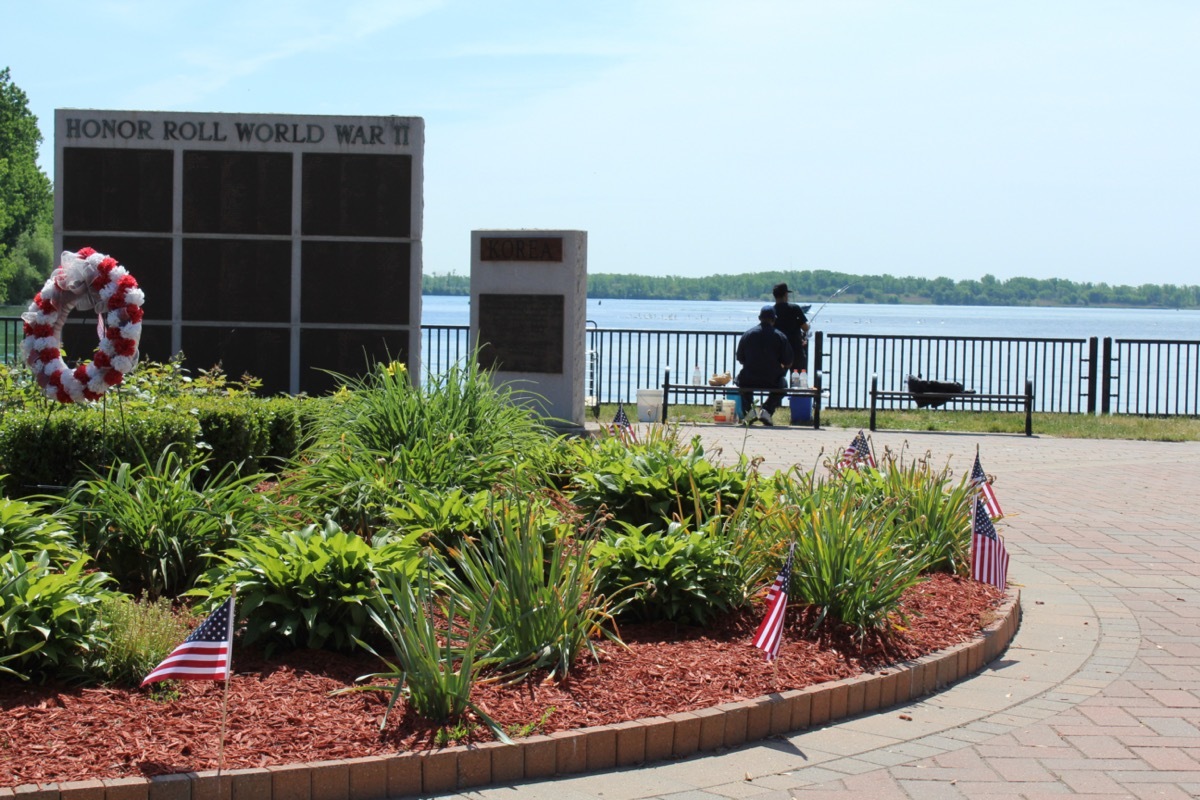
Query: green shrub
<point>150,525</point>
<point>47,616</point>
<point>136,637</point>
<point>309,587</point>
<point>49,449</point>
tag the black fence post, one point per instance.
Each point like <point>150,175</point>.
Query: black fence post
<point>818,353</point>
<point>1093,352</point>
<point>1106,377</point>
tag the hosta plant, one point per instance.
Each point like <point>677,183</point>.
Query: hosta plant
<point>672,574</point>
<point>306,587</point>
<point>48,616</point>
<point>29,528</point>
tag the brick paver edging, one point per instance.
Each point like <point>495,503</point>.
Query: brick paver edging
<point>567,752</point>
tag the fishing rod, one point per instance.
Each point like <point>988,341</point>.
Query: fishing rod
<point>835,294</point>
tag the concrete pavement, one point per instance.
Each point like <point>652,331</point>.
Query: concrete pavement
<point>1099,694</point>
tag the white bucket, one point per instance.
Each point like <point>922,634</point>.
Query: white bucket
<point>649,405</point>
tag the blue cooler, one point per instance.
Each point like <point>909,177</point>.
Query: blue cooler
<point>801,409</point>
<point>736,397</point>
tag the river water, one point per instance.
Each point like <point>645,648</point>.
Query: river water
<point>869,318</point>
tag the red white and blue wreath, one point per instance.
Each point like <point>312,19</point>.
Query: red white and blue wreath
<point>84,280</point>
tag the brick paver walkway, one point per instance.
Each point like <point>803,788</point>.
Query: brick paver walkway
<point>1099,694</point>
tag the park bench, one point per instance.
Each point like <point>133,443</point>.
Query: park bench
<point>967,397</point>
<point>713,392</point>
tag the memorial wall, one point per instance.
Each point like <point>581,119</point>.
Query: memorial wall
<point>282,246</point>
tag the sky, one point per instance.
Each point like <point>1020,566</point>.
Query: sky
<point>929,138</point>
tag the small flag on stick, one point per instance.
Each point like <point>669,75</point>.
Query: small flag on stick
<point>203,656</point>
<point>980,481</point>
<point>622,427</point>
<point>858,451</point>
<point>989,557</point>
<point>770,632</point>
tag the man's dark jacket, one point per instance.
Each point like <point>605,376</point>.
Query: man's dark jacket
<point>765,355</point>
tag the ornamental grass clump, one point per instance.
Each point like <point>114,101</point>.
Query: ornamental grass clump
<point>542,586</point>
<point>135,638</point>
<point>150,525</point>
<point>851,564</point>
<point>381,436</point>
<point>436,648</point>
<point>933,511</point>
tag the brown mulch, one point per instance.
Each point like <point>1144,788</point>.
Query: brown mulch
<point>280,711</point>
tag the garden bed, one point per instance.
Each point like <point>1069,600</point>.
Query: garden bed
<point>280,710</point>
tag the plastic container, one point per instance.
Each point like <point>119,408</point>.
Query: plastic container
<point>801,409</point>
<point>649,405</point>
<point>736,398</point>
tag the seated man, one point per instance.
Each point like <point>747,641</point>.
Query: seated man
<point>765,356</point>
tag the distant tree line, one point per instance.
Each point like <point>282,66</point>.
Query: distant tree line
<point>816,286</point>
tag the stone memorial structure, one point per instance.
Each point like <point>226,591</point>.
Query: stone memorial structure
<point>529,315</point>
<point>281,246</point>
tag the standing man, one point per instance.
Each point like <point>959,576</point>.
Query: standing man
<point>792,323</point>
<point>765,355</point>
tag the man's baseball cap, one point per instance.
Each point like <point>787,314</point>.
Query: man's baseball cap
<point>780,290</point>
<point>767,312</point>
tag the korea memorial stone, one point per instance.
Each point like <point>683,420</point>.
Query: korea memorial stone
<point>529,315</point>
<point>521,332</point>
<point>280,245</point>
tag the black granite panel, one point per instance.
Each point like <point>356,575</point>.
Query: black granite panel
<point>521,332</point>
<point>260,352</point>
<point>361,282</point>
<point>80,340</point>
<point>347,353</point>
<point>116,190</point>
<point>148,260</point>
<point>237,280</point>
<point>356,195</point>
<point>237,192</point>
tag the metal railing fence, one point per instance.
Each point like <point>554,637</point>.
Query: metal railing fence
<point>1151,377</point>
<point>1118,376</point>
<point>1059,368</point>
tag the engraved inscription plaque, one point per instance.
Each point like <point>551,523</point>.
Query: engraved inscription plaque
<point>521,332</point>
<point>523,248</point>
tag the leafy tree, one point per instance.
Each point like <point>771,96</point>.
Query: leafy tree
<point>25,191</point>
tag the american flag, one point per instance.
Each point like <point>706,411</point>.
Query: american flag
<point>989,558</point>
<point>622,427</point>
<point>987,494</point>
<point>203,656</point>
<point>770,632</point>
<point>858,450</point>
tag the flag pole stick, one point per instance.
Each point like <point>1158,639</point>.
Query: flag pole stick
<point>225,694</point>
